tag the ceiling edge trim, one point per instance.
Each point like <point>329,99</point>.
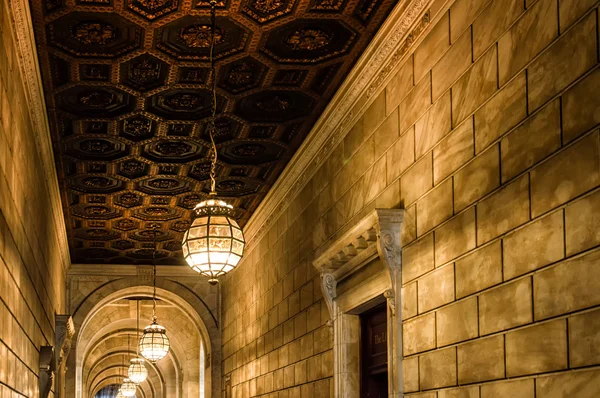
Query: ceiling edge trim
<point>398,34</point>
<point>22,28</point>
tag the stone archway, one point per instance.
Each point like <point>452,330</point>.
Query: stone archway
<point>104,321</point>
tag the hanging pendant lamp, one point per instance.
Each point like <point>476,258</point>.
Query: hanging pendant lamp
<point>128,388</point>
<point>154,344</point>
<point>137,371</point>
<point>214,244</point>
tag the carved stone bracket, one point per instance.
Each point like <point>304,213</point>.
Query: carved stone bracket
<point>377,234</point>
<point>391,300</point>
<point>65,329</point>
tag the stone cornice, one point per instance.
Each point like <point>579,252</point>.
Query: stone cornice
<point>113,271</point>
<point>28,62</point>
<point>397,36</point>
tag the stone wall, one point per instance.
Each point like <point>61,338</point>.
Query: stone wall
<point>32,260</point>
<point>488,136</point>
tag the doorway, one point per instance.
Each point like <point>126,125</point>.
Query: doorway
<point>374,355</point>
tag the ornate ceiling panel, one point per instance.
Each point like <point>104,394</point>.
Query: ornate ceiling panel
<point>128,94</point>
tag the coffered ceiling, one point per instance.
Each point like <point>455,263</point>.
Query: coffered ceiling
<point>127,92</point>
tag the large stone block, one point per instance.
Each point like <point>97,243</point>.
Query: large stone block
<point>581,107</point>
<point>453,151</point>
<point>355,138</point>
<point>481,360</point>
<point>436,289</point>
<point>374,183</point>
<point>582,384</point>
<point>567,59</point>
<point>505,307</point>
<point>567,287</point>
<point>417,180</point>
<point>455,237</point>
<point>374,115</point>
<point>570,10</point>
<point>409,300</point>
<point>432,47</point>
<point>534,246</point>
<point>418,334</point>
<point>582,224</point>
<point>474,87</point>
<point>565,176</point>
<point>386,134</point>
<point>504,210</point>
<point>478,178</point>
<point>526,38</point>
<point>438,369</point>
<point>399,86</point>
<point>523,388</point>
<point>400,156</point>
<point>410,374</point>
<point>502,112</point>
<point>415,103</point>
<point>434,208</point>
<point>433,126</point>
<point>417,258</point>
<point>537,349</point>
<point>584,339</point>
<point>531,142</point>
<point>457,322</point>
<point>493,21</point>
<point>462,14</point>
<point>452,64</point>
<point>479,270</point>
<point>462,392</point>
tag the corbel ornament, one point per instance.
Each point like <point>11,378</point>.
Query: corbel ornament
<point>46,375</point>
<point>378,234</point>
<point>65,330</point>
<point>391,300</point>
<point>388,244</point>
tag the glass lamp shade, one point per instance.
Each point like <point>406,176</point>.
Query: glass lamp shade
<point>128,388</point>
<point>137,372</point>
<point>214,244</point>
<point>154,344</point>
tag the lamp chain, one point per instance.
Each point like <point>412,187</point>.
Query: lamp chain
<point>137,330</point>
<point>154,276</point>
<point>212,129</point>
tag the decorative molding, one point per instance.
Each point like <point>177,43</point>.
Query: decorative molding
<point>83,272</point>
<point>391,300</point>
<point>27,60</point>
<point>65,330</point>
<point>328,286</point>
<point>392,42</point>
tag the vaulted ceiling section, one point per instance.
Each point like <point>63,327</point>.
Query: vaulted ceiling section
<point>127,92</point>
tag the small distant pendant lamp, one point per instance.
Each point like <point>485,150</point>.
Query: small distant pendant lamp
<point>137,371</point>
<point>214,244</point>
<point>128,388</point>
<point>154,344</point>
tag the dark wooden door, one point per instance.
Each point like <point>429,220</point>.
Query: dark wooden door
<point>374,376</point>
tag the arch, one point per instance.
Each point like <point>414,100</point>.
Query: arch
<point>197,306</point>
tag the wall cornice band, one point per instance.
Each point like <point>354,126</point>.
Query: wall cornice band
<point>29,67</point>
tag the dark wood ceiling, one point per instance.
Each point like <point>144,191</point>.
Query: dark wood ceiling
<point>128,98</point>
